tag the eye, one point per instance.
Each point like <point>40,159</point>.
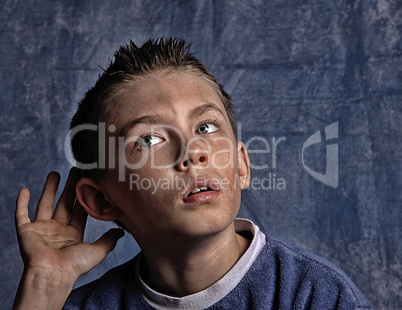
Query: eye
<point>206,128</point>
<point>149,140</point>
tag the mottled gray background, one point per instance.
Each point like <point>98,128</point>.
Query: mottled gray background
<point>292,68</point>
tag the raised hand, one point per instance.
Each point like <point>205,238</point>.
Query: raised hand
<point>51,246</point>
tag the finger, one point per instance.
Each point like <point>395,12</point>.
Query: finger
<point>21,210</point>
<point>46,201</point>
<point>101,248</point>
<point>67,198</point>
<point>79,218</point>
<point>105,244</point>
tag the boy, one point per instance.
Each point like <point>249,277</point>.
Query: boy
<point>156,147</point>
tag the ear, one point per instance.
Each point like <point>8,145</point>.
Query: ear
<point>93,199</point>
<point>244,165</point>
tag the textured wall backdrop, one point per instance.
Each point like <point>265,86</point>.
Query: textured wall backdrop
<point>292,68</point>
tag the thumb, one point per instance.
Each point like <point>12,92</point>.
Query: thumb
<point>101,248</point>
<point>108,241</point>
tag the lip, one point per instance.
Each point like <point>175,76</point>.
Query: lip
<point>201,197</point>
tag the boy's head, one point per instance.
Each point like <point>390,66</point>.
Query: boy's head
<point>132,63</point>
<point>174,131</point>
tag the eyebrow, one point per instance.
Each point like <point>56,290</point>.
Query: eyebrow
<point>198,111</point>
<point>146,119</point>
<point>155,120</point>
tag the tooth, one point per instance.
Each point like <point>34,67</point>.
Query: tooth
<point>204,188</point>
<point>196,190</point>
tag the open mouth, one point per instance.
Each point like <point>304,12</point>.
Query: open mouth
<point>197,190</point>
<point>202,189</point>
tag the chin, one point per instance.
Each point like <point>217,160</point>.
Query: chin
<point>208,223</point>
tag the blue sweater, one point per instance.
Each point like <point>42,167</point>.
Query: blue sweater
<point>281,277</point>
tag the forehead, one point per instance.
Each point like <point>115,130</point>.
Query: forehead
<point>163,93</point>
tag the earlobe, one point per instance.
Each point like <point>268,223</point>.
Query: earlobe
<point>244,165</point>
<point>93,199</point>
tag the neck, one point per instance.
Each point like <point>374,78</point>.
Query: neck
<point>183,267</point>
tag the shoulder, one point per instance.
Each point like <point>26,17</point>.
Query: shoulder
<point>116,289</point>
<point>301,279</point>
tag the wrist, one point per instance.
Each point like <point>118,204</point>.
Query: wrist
<point>43,289</point>
<point>41,278</point>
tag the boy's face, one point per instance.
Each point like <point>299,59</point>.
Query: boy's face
<point>179,140</point>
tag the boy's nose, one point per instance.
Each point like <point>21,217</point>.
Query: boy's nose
<point>196,157</point>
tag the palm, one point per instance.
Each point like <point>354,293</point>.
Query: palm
<point>50,244</point>
<point>53,242</point>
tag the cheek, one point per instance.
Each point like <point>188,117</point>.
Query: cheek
<point>223,155</point>
<point>164,157</point>
<point>159,157</point>
<point>224,159</point>
<point>155,185</point>
<point>131,159</point>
